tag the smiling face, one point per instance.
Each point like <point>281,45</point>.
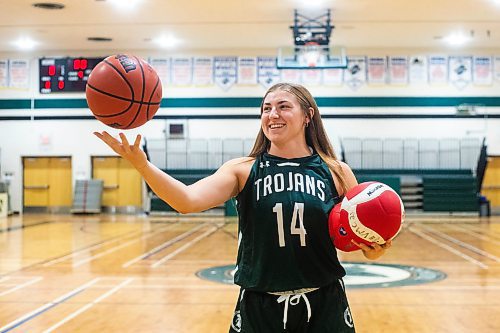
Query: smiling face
<point>283,119</point>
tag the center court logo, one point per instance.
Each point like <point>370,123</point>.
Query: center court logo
<point>359,275</point>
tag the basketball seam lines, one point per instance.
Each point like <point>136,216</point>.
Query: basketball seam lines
<point>119,97</point>
<point>114,114</point>
<point>142,93</point>
<point>123,77</point>
<point>151,97</point>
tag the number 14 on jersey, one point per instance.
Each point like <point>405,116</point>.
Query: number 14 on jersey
<point>296,224</point>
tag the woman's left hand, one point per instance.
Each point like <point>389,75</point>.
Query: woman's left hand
<point>373,251</point>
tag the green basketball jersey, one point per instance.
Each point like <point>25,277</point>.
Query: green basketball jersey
<point>283,211</point>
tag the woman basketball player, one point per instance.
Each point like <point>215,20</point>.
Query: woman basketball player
<point>287,266</point>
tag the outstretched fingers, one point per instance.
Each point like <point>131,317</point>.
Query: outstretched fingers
<point>125,144</point>
<point>121,145</point>
<point>109,140</point>
<point>137,141</point>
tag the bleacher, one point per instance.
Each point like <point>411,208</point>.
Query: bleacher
<point>186,176</point>
<point>429,190</point>
<point>431,175</point>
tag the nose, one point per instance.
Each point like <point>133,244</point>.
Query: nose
<point>274,113</point>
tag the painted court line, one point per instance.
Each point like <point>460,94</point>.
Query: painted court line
<point>462,244</point>
<point>424,287</point>
<point>96,246</point>
<point>185,246</point>
<point>474,234</point>
<point>164,245</point>
<point>116,248</point>
<point>35,313</point>
<point>89,305</point>
<point>17,287</point>
<point>481,229</point>
<point>449,248</point>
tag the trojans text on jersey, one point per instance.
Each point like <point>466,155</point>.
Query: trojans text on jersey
<point>291,181</point>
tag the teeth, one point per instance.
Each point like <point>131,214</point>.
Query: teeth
<point>276,126</point>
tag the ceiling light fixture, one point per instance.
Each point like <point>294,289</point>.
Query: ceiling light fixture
<point>125,5</point>
<point>311,4</point>
<point>25,43</point>
<point>166,41</point>
<point>457,39</point>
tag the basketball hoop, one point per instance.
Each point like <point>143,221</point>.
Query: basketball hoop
<point>311,54</point>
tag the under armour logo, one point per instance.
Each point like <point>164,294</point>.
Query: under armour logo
<point>264,165</point>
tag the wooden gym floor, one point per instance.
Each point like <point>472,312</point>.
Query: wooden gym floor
<point>122,273</point>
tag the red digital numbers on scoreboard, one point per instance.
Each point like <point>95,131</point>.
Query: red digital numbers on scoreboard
<point>58,75</point>
<point>80,64</point>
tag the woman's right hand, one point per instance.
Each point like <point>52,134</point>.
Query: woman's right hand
<point>132,153</point>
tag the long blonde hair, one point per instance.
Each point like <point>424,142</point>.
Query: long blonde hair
<point>316,136</point>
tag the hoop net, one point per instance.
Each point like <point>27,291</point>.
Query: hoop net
<point>311,54</point>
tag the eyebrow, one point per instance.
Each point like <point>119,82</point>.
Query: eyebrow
<point>280,102</point>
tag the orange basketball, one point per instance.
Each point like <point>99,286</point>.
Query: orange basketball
<point>123,91</point>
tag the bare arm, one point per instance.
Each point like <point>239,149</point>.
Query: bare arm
<point>349,178</point>
<point>204,194</point>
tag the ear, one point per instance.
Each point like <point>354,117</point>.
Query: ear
<point>311,114</point>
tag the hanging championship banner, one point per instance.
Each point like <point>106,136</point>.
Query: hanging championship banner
<point>376,68</point>
<point>496,71</point>
<point>460,71</point>
<point>203,72</point>
<point>398,70</point>
<point>311,77</point>
<point>19,74</point>
<point>247,70</point>
<point>4,73</point>
<point>182,71</point>
<point>482,72</point>
<point>355,73</point>
<point>225,71</point>
<point>290,76</point>
<point>333,76</point>
<point>438,69</point>
<point>162,67</point>
<point>267,73</point>
<point>418,69</point>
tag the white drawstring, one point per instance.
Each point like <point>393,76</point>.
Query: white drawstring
<point>294,299</point>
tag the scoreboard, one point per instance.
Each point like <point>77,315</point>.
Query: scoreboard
<point>58,75</point>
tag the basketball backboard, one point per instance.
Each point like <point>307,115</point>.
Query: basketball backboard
<point>311,56</point>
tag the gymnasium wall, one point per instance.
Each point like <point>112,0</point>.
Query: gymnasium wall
<point>56,132</point>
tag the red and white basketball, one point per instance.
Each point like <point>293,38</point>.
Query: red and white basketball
<point>371,212</point>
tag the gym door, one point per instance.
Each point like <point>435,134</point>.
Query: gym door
<point>122,184</point>
<point>47,185</point>
<point>491,181</point>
